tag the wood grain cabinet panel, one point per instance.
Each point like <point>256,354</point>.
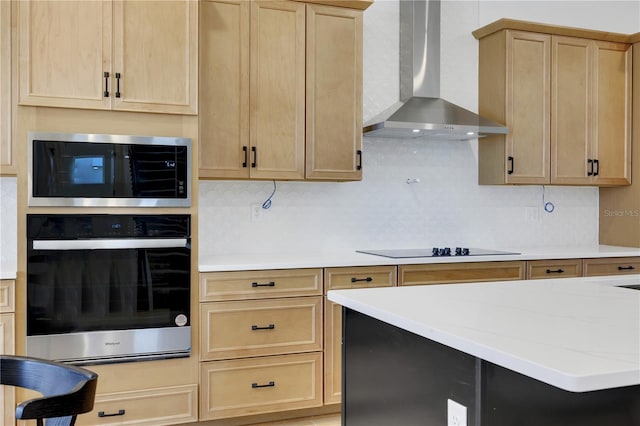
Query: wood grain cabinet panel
<point>281,90</point>
<point>344,278</point>
<point>260,385</point>
<point>449,273</point>
<point>546,269</point>
<point>260,327</point>
<point>149,407</point>
<point>124,55</point>
<point>611,266</point>
<point>7,147</point>
<point>241,285</point>
<point>7,346</point>
<point>566,101</point>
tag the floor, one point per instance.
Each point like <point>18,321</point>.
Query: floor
<point>329,420</point>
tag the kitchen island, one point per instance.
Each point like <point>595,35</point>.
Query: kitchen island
<point>554,352</point>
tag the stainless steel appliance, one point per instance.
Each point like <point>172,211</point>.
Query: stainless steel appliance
<point>108,288</point>
<point>74,169</point>
<point>434,252</point>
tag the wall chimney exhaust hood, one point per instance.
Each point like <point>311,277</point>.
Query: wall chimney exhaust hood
<point>421,113</point>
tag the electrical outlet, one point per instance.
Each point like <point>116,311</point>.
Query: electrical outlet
<point>456,414</point>
<point>256,212</point>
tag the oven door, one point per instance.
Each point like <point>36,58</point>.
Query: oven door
<point>95,299</point>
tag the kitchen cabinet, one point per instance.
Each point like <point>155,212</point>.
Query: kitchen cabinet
<point>7,346</point>
<point>566,98</point>
<point>559,268</point>
<point>260,342</point>
<point>611,266</point>
<point>7,154</point>
<point>344,278</point>
<point>281,91</point>
<point>450,273</point>
<point>620,206</point>
<point>121,55</point>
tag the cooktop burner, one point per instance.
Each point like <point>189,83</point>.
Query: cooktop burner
<point>433,252</point>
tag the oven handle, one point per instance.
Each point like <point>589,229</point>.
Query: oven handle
<point>101,244</point>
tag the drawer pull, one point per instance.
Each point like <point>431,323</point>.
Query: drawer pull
<point>555,271</point>
<point>626,268</point>
<point>268,385</point>
<point>355,280</point>
<point>269,284</point>
<point>269,327</point>
<point>103,414</point>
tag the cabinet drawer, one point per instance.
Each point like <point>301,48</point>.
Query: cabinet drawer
<point>448,273</point>
<point>260,327</point>
<point>359,277</point>
<point>611,266</point>
<point>260,385</point>
<point>240,285</point>
<point>561,268</point>
<point>152,407</point>
<point>7,296</point>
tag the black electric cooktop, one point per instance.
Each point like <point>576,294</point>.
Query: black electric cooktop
<point>434,252</point>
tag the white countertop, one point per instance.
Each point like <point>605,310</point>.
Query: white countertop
<point>578,334</point>
<point>336,258</point>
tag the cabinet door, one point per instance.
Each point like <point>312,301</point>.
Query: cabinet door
<point>570,109</point>
<point>334,93</point>
<point>224,89</point>
<point>277,100</point>
<point>450,273</point>
<point>64,50</point>
<point>547,269</point>
<point>156,56</point>
<point>612,113</point>
<point>7,393</point>
<point>7,165</point>
<point>527,108</point>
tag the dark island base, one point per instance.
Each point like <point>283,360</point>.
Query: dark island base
<point>394,377</point>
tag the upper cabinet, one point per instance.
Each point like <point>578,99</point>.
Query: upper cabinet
<point>124,55</point>
<point>566,99</point>
<point>281,90</point>
<point>7,155</point>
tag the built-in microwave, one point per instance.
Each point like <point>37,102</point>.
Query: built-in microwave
<point>96,170</point>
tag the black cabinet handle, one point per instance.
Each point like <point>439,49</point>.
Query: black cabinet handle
<point>555,271</point>
<point>246,156</point>
<point>254,150</point>
<point>268,385</point>
<point>355,280</point>
<point>103,414</point>
<point>118,85</point>
<point>106,84</point>
<point>596,163</point>
<point>269,327</point>
<point>590,164</point>
<point>626,268</point>
<point>511,165</point>
<point>359,163</point>
<point>269,284</point>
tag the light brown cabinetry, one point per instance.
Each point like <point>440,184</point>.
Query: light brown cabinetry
<point>7,155</point>
<point>281,86</point>
<point>261,342</point>
<point>450,273</point>
<point>620,206</point>
<point>566,101</point>
<point>123,55</point>
<point>7,346</point>
<point>344,278</point>
<point>547,269</point>
<point>611,266</point>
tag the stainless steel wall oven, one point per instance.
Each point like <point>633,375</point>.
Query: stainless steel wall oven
<point>108,287</point>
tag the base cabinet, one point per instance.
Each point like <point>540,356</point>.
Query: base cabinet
<point>149,407</point>
<point>7,346</point>
<point>611,266</point>
<point>546,269</point>
<point>450,273</point>
<point>261,385</point>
